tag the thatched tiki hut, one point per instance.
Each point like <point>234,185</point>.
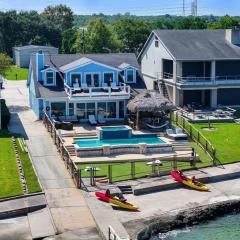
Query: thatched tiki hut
<point>149,102</point>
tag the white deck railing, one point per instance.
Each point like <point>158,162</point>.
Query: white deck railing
<point>93,92</point>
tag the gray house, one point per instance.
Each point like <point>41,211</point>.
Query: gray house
<point>22,55</point>
<point>194,66</point>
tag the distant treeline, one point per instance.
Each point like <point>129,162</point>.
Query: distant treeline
<point>59,27</point>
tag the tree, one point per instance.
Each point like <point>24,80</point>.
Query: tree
<point>5,64</point>
<point>132,33</point>
<point>80,43</point>
<point>69,37</point>
<point>225,22</point>
<point>98,38</point>
<point>61,15</point>
<point>191,23</point>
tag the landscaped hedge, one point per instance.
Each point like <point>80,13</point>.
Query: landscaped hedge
<point>5,116</point>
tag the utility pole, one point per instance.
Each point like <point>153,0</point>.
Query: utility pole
<point>183,8</point>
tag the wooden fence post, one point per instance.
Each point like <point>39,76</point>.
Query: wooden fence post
<point>110,173</point>
<point>133,170</point>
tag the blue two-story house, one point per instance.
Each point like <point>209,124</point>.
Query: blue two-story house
<point>82,85</point>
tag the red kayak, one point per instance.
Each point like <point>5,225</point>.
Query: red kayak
<point>179,177</point>
<point>102,196</point>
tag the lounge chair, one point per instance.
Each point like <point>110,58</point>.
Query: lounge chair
<point>92,120</point>
<point>101,119</point>
<point>180,133</point>
<point>76,85</point>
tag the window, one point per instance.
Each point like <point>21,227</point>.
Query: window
<point>111,109</point>
<point>81,110</point>
<point>89,79</point>
<point>71,109</point>
<point>156,43</point>
<point>49,78</point>
<point>108,78</point>
<point>102,108</point>
<point>130,75</point>
<point>58,109</point>
<point>121,109</point>
<point>92,79</point>
<point>76,79</point>
<point>90,109</point>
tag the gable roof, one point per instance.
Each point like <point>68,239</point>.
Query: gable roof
<point>33,47</point>
<point>75,63</point>
<point>197,44</point>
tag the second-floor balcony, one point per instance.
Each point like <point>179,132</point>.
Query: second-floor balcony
<point>117,91</point>
<point>192,81</point>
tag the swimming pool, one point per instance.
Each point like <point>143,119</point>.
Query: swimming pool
<point>95,142</point>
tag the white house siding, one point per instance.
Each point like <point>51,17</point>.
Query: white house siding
<point>151,61</point>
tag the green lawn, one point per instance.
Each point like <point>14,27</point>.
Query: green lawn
<point>22,73</point>
<point>122,171</point>
<point>30,176</point>
<point>9,176</point>
<point>225,139</point>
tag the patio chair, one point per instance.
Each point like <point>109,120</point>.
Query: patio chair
<point>76,85</point>
<point>101,119</point>
<point>92,120</point>
<point>170,133</point>
<point>180,133</point>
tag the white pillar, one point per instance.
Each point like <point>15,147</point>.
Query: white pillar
<point>213,70</point>
<point>177,70</point>
<point>214,98</point>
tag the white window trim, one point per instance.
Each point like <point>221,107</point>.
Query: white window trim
<point>134,75</point>
<point>79,73</point>
<point>113,73</point>
<point>92,73</point>
<point>45,78</point>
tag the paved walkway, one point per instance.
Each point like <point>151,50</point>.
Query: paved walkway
<point>66,204</point>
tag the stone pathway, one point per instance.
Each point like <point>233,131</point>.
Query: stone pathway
<point>66,204</point>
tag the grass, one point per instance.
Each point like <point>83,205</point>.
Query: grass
<point>225,139</point>
<point>9,176</point>
<point>122,171</point>
<point>22,73</point>
<point>30,176</point>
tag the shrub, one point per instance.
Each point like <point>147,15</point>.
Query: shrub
<point>5,114</point>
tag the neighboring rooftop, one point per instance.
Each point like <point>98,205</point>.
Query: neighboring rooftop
<point>32,47</point>
<point>199,44</point>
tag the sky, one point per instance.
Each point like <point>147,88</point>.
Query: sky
<point>138,7</point>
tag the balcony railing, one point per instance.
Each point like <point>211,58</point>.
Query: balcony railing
<point>193,80</point>
<point>94,92</point>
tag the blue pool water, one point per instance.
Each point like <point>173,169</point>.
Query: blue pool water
<point>114,128</point>
<point>95,142</point>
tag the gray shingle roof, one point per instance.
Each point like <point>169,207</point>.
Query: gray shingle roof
<point>58,60</point>
<point>198,44</point>
<point>33,47</point>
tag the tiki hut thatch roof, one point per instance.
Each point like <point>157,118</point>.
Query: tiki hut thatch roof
<point>149,101</point>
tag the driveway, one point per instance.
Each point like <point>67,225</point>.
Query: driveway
<point>67,206</point>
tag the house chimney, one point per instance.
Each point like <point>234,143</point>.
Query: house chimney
<point>233,36</point>
<point>40,62</point>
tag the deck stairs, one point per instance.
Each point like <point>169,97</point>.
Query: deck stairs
<point>71,150</point>
<point>162,88</point>
<point>125,189</point>
<point>181,146</point>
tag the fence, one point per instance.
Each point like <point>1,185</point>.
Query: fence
<point>70,165</point>
<point>195,135</point>
<point>115,172</point>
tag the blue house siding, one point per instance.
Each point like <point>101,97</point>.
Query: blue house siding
<point>92,68</point>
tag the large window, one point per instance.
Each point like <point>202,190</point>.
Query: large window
<point>76,79</point>
<point>49,78</point>
<point>81,110</point>
<point>108,78</point>
<point>71,109</point>
<point>92,79</point>
<point>102,108</point>
<point>121,109</point>
<point>111,109</point>
<point>58,109</point>
<point>90,109</point>
<point>130,75</point>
